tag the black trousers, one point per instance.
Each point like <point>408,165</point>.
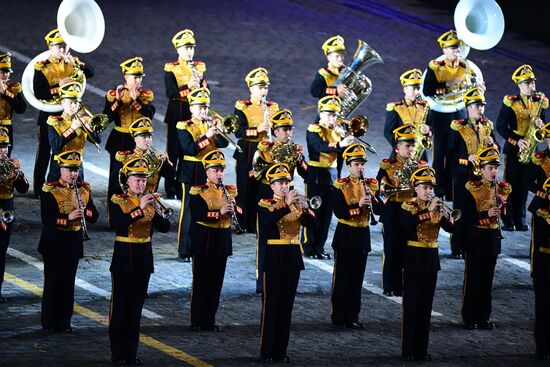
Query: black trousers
<point>314,240</point>
<point>171,185</point>
<point>542,317</point>
<point>279,293</point>
<point>43,151</point>
<point>392,265</point>
<point>347,282</point>
<point>514,173</point>
<point>3,250</point>
<point>58,295</point>
<point>248,196</point>
<point>479,270</point>
<point>10,134</point>
<point>208,274</point>
<point>460,197</point>
<point>184,226</point>
<point>128,294</point>
<point>418,295</point>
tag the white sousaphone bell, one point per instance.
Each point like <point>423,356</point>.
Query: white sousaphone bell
<point>480,25</point>
<point>82,27</point>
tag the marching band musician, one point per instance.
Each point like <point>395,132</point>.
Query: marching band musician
<point>157,162</point>
<point>280,218</point>
<point>410,110</point>
<point>353,205</point>
<point>540,268</point>
<point>66,131</point>
<point>123,105</point>
<point>484,204</point>
<point>443,77</point>
<point>48,73</point>
<point>134,217</point>
<point>61,241</point>
<point>324,144</point>
<point>394,174</point>
<point>11,98</point>
<point>212,207</point>
<point>467,138</point>
<point>517,113</point>
<point>422,218</point>
<point>197,136</point>
<point>254,115</point>
<point>180,78</point>
<point>13,179</point>
<point>538,170</point>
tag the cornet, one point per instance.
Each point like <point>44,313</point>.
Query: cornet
<point>159,208</point>
<point>314,202</point>
<point>446,211</point>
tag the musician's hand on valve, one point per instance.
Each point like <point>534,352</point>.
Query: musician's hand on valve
<point>212,131</point>
<point>424,129</point>
<point>75,124</point>
<point>161,155</point>
<point>454,82</point>
<point>494,212</point>
<point>434,204</point>
<point>292,197</point>
<point>489,142</point>
<point>539,123</point>
<point>146,200</point>
<point>76,213</point>
<point>342,91</point>
<point>299,148</point>
<point>347,141</point>
<point>522,144</point>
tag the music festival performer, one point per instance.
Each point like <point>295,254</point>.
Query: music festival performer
<point>280,219</point>
<point>47,75</point>
<point>354,204</point>
<point>254,115</point>
<point>517,113</point>
<point>197,136</point>
<point>133,216</point>
<point>484,203</point>
<point>12,179</point>
<point>422,218</point>
<point>180,78</point>
<point>11,98</point>
<point>61,241</point>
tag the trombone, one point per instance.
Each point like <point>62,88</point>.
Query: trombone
<point>358,126</point>
<point>227,125</point>
<point>95,124</point>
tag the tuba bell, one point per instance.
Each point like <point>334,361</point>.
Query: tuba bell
<point>82,27</point>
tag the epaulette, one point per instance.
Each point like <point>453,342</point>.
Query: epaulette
<point>421,102</point>
<point>508,100</point>
<point>473,185</point>
<point>266,203</point>
<point>387,162</point>
<point>434,64</point>
<point>341,182</point>
<point>195,190</point>
<point>422,163</point>
<point>146,95</point>
<point>49,186</point>
<point>325,73</point>
<point>505,186</point>
<point>240,105</point>
<point>264,146</point>
<point>121,155</point>
<point>231,189</point>
<point>273,106</point>
<point>538,158</point>
<point>462,63</point>
<point>54,120</point>
<point>41,64</point>
<point>169,66</point>
<point>410,206</point>
<point>270,103</point>
<point>15,86</point>
<point>111,95</point>
<point>314,128</point>
<point>118,198</point>
<point>200,66</point>
<point>85,185</point>
<point>183,125</point>
<point>391,106</point>
<point>456,125</point>
<point>373,183</point>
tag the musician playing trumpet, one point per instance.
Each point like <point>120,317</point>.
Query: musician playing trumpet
<point>211,242</point>
<point>66,131</point>
<point>354,204</point>
<point>61,241</point>
<point>11,98</point>
<point>47,75</point>
<point>422,218</point>
<point>484,204</point>
<point>197,136</point>
<point>11,179</point>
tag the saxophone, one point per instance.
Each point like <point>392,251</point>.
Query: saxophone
<point>534,134</point>
<point>484,135</point>
<point>422,142</point>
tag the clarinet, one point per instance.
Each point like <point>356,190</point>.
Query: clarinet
<point>234,219</point>
<point>497,204</point>
<point>373,220</point>
<point>266,117</point>
<point>84,228</point>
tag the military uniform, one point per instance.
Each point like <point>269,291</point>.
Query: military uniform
<point>177,75</point>
<point>537,171</point>
<point>19,183</point>
<point>47,75</point>
<point>11,100</point>
<point>123,112</point>
<point>131,265</point>
<point>61,244</point>
<point>279,235</point>
<point>351,242</point>
<point>194,145</point>
<point>513,121</point>
<point>482,246</point>
<point>420,268</point>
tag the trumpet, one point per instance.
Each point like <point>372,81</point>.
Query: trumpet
<point>314,202</point>
<point>160,208</point>
<point>7,216</point>
<point>447,211</point>
<point>358,126</point>
<point>227,125</point>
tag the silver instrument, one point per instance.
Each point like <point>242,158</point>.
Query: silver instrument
<point>7,216</point>
<point>447,211</point>
<point>84,227</point>
<point>266,118</point>
<point>373,220</point>
<point>314,202</point>
<point>497,204</point>
<point>160,208</point>
<point>234,218</point>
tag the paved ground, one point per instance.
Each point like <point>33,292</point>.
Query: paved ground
<point>234,37</point>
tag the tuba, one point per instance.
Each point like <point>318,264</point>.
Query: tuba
<point>82,26</point>
<point>358,85</point>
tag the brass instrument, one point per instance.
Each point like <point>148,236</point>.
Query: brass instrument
<point>314,202</point>
<point>84,227</point>
<point>234,219</point>
<point>497,205</point>
<point>7,216</point>
<point>227,125</point>
<point>484,127</point>
<point>534,134</point>
<point>286,153</point>
<point>92,123</point>
<point>447,211</point>
<point>266,118</point>
<point>422,142</point>
<point>160,208</point>
<point>373,220</point>
<point>194,73</point>
<point>357,84</point>
<point>403,177</point>
<point>9,172</point>
<point>358,126</point>
<point>154,164</point>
